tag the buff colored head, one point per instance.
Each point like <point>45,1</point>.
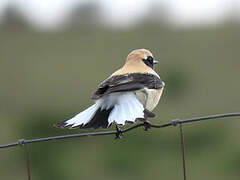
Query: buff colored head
<point>141,56</point>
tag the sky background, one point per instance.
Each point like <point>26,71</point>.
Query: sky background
<point>46,14</point>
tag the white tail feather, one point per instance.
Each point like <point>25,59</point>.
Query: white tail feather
<point>83,117</point>
<point>126,108</point>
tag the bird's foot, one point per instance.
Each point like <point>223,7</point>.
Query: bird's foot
<point>147,125</point>
<point>119,133</point>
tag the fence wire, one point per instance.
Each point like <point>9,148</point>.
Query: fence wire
<point>118,133</point>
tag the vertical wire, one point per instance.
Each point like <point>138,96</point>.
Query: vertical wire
<point>183,151</point>
<point>27,161</point>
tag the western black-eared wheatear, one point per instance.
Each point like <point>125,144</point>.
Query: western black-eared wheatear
<point>128,95</point>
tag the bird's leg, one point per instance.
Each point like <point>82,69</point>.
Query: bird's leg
<point>118,133</point>
<point>147,125</point>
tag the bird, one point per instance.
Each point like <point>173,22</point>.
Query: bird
<point>127,96</point>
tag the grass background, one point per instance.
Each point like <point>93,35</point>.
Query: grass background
<point>46,77</point>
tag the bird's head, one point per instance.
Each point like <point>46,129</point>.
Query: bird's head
<point>141,56</point>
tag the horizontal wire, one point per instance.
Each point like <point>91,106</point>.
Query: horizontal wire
<point>174,122</point>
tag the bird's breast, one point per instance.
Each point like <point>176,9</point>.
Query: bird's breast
<point>149,97</point>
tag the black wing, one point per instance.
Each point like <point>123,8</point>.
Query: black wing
<point>127,82</point>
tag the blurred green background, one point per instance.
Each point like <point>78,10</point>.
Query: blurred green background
<point>48,76</point>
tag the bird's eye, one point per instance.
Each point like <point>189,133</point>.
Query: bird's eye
<point>150,59</point>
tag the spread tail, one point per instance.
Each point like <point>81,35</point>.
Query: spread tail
<point>116,107</point>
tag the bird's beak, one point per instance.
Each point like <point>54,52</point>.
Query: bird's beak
<point>155,61</point>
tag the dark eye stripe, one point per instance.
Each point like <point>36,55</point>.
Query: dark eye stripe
<point>150,58</point>
<point>149,61</point>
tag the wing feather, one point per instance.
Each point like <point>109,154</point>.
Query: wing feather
<point>128,82</point>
